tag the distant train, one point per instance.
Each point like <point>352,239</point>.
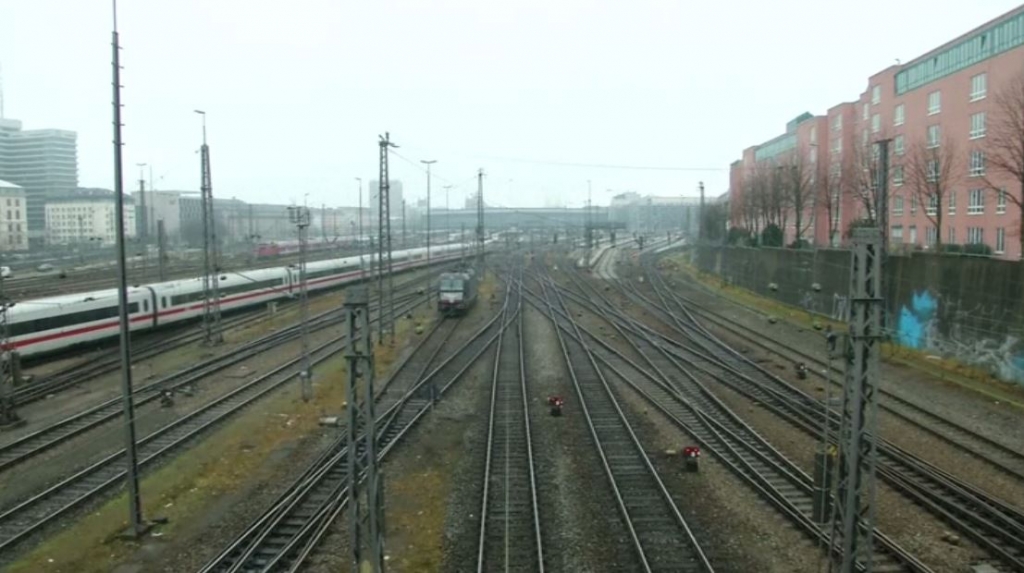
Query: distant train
<point>278,248</point>
<point>456,292</point>
<point>45,325</point>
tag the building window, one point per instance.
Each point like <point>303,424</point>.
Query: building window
<point>913,235</point>
<point>864,138</point>
<point>1000,241</point>
<point>951,235</point>
<point>898,144</point>
<point>897,206</point>
<point>979,86</point>
<point>934,103</point>
<point>897,115</point>
<point>933,170</point>
<point>931,236</point>
<point>978,125</point>
<point>876,123</point>
<point>866,112</point>
<point>876,95</point>
<point>975,235</point>
<point>934,135</point>
<point>913,204</point>
<point>976,202</point>
<point>896,235</point>
<point>897,175</point>
<point>837,123</point>
<point>977,163</point>
<point>1001,201</point>
<point>933,205</point>
<point>952,202</point>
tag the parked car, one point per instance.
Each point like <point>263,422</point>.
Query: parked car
<point>5,272</point>
<point>44,268</point>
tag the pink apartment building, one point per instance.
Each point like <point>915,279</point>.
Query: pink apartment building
<point>938,113</point>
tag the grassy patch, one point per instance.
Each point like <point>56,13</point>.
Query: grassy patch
<point>419,527</point>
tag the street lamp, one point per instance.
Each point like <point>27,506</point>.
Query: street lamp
<point>428,163</point>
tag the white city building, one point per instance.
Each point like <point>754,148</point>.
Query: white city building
<point>87,218</point>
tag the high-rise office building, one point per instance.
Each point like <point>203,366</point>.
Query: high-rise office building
<point>44,162</point>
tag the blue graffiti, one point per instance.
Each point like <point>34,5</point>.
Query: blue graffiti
<point>913,323</point>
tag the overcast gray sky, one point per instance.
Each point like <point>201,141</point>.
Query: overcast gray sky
<point>298,91</point>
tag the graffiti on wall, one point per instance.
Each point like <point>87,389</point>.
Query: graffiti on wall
<point>917,326</point>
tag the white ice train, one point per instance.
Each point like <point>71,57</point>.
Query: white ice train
<point>45,325</point>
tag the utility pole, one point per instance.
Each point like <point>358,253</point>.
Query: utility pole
<point>403,224</point>
<point>359,239</point>
<point>141,229</point>
<point>161,243</point>
<point>480,219</point>
<point>589,232</point>
<point>299,216</point>
<point>854,519</point>
<point>447,210</point>
<point>211,291</point>
<point>136,524</point>
<point>462,245</point>
<point>700,222</point>
<point>384,239</point>
<point>882,210</point>
<point>365,483</point>
<point>428,163</point>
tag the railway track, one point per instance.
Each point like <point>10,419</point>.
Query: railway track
<point>989,450</point>
<point>44,439</point>
<point>290,530</point>
<point>670,387</point>
<point>662,539</point>
<point>510,525</point>
<point>17,523</point>
<point>995,525</point>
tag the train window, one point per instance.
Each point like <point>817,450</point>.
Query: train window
<point>163,302</point>
<point>245,287</point>
<point>66,320</point>
<point>145,306</point>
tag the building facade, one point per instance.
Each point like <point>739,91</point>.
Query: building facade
<point>13,222</point>
<point>87,218</point>
<point>44,162</point>
<point>952,122</point>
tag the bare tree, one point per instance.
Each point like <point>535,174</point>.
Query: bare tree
<point>932,170</point>
<point>798,178</point>
<point>832,182</point>
<point>1004,145</point>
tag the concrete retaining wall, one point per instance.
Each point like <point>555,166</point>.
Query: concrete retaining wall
<point>968,308</point>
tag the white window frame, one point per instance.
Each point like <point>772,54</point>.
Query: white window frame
<point>876,95</point>
<point>951,235</point>
<point>898,115</point>
<point>1001,201</point>
<point>931,235</point>
<point>913,204</point>
<point>934,136</point>
<point>978,125</point>
<point>976,202</point>
<point>913,235</point>
<point>933,170</point>
<point>934,102</point>
<point>977,165</point>
<point>866,111</point>
<point>1000,241</point>
<point>898,145</point>
<point>897,175</point>
<point>876,123</point>
<point>896,233</point>
<point>979,86</point>
<point>933,205</point>
<point>975,236</point>
<point>897,207</point>
<point>837,124</point>
<point>952,202</point>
